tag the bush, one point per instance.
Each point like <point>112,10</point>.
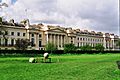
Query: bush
<point>50,47</point>
<point>86,48</point>
<point>69,48</point>
<point>99,47</point>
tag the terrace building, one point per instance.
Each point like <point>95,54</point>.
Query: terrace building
<point>39,35</point>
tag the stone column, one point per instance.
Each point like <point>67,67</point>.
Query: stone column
<point>108,44</point>
<point>113,44</point>
<point>46,38</point>
<point>2,41</point>
<point>58,41</point>
<point>61,42</point>
<point>50,37</point>
<point>37,41</point>
<point>27,34</point>
<point>104,41</point>
<point>9,41</point>
<point>54,39</point>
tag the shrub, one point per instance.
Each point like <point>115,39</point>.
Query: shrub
<point>86,48</point>
<point>50,47</point>
<point>99,47</point>
<point>69,47</point>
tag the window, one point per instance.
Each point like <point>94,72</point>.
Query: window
<point>32,35</point>
<point>40,44</point>
<point>39,35</point>
<point>78,38</point>
<point>18,33</point>
<point>23,34</point>
<point>6,32</point>
<point>32,42</point>
<point>42,49</point>
<point>12,33</point>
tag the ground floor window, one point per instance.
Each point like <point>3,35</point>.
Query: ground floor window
<point>40,45</point>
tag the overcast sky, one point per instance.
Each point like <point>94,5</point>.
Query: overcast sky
<point>97,15</point>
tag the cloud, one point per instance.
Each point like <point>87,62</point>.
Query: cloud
<point>92,15</point>
<point>7,2</point>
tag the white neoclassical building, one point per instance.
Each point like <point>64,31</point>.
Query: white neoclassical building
<point>39,35</point>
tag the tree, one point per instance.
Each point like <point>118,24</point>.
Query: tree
<point>86,48</point>
<point>3,31</point>
<point>22,44</point>
<point>50,47</point>
<point>69,48</point>
<point>99,47</point>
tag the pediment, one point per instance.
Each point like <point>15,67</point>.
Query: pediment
<point>57,30</point>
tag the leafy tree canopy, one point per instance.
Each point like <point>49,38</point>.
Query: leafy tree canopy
<point>86,48</point>
<point>22,44</point>
<point>69,47</point>
<point>99,47</point>
<point>50,47</point>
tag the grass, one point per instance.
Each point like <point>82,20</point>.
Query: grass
<point>63,67</point>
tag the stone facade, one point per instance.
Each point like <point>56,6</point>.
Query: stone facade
<point>41,34</point>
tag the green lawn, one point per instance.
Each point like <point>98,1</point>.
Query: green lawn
<point>63,67</point>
